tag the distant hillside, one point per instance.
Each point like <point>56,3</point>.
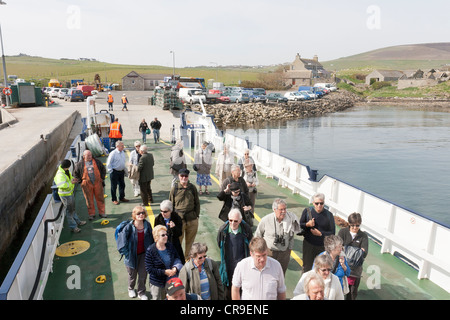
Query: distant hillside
<point>402,57</point>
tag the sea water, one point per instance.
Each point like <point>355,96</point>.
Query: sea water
<point>400,154</point>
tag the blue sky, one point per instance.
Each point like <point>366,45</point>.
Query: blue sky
<point>200,32</point>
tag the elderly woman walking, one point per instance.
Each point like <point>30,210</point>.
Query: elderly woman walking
<point>323,266</point>
<point>201,275</point>
<point>202,164</point>
<point>173,223</point>
<point>161,263</point>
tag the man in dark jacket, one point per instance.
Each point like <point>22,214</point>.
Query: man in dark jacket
<point>156,125</point>
<point>145,168</point>
<point>233,239</point>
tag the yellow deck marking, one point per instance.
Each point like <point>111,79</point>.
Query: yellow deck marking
<point>72,248</point>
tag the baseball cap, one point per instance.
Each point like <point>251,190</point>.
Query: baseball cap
<point>173,285</point>
<point>183,171</point>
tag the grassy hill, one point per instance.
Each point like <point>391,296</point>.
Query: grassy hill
<point>40,70</point>
<point>403,57</point>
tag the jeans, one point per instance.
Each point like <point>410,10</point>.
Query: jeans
<point>156,135</point>
<point>144,136</point>
<point>71,215</point>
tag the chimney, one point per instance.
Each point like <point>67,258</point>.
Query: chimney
<point>316,58</point>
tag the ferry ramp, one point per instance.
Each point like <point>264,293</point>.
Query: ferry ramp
<point>74,277</point>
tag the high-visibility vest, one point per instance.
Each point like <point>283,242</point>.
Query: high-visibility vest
<point>63,182</point>
<point>124,99</point>
<point>110,98</point>
<point>114,131</point>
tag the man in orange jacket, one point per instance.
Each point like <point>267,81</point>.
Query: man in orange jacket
<point>115,133</point>
<point>124,102</point>
<point>110,101</point>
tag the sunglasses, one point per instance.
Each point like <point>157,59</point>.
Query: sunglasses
<point>183,176</point>
<point>163,235</point>
<point>354,226</point>
<point>141,212</point>
<point>201,257</point>
<point>165,211</point>
<point>233,220</point>
<point>318,203</point>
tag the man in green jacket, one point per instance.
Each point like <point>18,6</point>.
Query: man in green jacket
<point>65,183</point>
<point>184,196</point>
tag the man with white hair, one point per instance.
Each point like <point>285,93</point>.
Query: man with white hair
<point>117,169</point>
<point>146,175</point>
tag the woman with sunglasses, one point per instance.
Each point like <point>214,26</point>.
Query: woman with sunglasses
<point>137,237</point>
<point>318,223</point>
<point>173,223</point>
<point>322,266</point>
<point>201,275</point>
<point>161,262</point>
<point>353,236</point>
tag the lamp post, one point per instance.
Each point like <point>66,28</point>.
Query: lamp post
<point>3,59</point>
<point>173,58</point>
<point>217,71</point>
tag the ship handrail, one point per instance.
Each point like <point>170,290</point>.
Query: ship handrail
<point>18,283</point>
<point>392,225</point>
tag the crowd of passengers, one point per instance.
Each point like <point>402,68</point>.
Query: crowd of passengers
<point>252,265</point>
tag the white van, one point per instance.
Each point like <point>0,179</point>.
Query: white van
<point>326,85</point>
<point>191,95</point>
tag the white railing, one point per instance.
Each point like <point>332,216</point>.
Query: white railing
<point>19,282</point>
<point>21,278</point>
<point>400,231</point>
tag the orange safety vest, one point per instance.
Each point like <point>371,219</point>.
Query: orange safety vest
<point>114,130</point>
<point>110,98</point>
<point>124,99</point>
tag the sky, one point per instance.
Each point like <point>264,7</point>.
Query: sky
<point>210,32</point>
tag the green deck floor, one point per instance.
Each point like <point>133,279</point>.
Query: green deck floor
<point>74,277</point>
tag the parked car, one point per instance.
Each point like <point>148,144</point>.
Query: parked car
<point>223,99</point>
<point>303,96</point>
<point>53,92</point>
<point>311,94</point>
<point>258,95</point>
<point>292,96</point>
<point>74,95</point>
<point>238,97</point>
<point>277,97</point>
<point>62,93</point>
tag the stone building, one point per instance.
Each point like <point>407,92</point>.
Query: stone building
<point>134,81</point>
<point>383,75</point>
<point>305,72</point>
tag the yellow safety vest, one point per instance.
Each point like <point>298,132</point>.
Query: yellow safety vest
<point>63,182</point>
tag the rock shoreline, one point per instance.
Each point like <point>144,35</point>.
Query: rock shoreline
<point>251,113</point>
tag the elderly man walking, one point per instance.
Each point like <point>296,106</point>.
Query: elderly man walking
<point>233,239</point>
<point>117,169</point>
<point>186,203</point>
<point>278,229</point>
<point>90,173</point>
<point>260,277</point>
<point>145,168</point>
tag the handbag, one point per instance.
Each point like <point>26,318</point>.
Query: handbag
<point>303,231</point>
<point>147,131</point>
<point>354,256</point>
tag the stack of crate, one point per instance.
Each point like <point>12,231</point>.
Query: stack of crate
<point>167,99</point>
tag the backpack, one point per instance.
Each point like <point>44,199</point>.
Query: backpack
<point>122,246</point>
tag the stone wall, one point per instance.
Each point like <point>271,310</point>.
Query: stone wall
<point>20,182</point>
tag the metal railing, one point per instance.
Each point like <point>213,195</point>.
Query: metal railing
<point>399,231</point>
